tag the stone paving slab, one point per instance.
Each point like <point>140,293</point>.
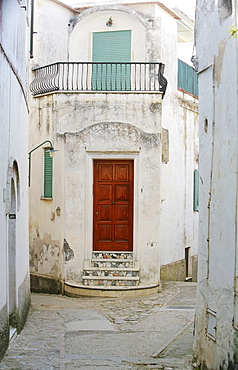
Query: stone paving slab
<point>103,333</point>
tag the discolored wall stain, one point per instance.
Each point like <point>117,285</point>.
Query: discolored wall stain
<point>224,9</point>
<point>68,252</point>
<point>218,61</point>
<point>44,255</point>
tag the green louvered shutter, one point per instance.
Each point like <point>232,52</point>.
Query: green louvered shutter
<point>187,78</point>
<point>112,47</point>
<point>196,191</point>
<point>47,174</point>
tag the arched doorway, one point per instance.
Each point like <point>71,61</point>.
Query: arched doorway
<point>13,206</point>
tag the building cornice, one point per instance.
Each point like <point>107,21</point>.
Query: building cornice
<point>80,9</point>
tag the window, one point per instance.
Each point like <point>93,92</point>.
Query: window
<point>48,166</point>
<point>110,48</point>
<point>187,78</point>
<point>196,191</point>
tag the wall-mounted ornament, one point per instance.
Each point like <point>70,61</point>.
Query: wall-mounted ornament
<point>109,23</point>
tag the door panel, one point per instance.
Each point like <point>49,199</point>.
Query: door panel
<point>105,172</point>
<point>121,213</point>
<point>105,192</point>
<point>105,213</point>
<point>121,193</point>
<point>105,233</point>
<point>113,205</point>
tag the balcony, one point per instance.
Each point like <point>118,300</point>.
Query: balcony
<point>99,77</point>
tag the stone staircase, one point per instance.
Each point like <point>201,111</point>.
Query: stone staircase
<point>111,269</point>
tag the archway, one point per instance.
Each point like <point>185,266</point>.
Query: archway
<point>13,207</point>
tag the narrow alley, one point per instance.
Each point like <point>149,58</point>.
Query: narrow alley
<point>62,333</point>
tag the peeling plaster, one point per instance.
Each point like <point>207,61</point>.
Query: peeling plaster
<point>119,8</point>
<point>44,255</point>
<point>117,131</point>
<point>218,61</point>
<point>224,9</point>
<point>68,252</point>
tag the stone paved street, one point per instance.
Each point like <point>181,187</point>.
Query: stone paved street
<point>61,333</point>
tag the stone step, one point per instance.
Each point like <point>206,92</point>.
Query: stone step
<point>112,269</point>
<point>76,289</point>
<point>111,263</point>
<point>112,255</point>
<point>112,272</point>
<point>110,281</point>
<point>111,277</point>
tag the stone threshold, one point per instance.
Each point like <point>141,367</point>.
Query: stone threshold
<point>111,260</point>
<point>76,289</point>
<point>110,277</point>
<point>112,269</point>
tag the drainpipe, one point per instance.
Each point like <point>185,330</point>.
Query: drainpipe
<point>236,220</point>
<point>31,29</point>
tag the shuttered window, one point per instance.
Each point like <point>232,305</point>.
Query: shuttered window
<point>48,166</point>
<point>187,78</point>
<point>111,47</point>
<point>196,191</point>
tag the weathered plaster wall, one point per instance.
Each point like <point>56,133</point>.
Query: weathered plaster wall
<point>50,21</point>
<point>88,126</point>
<point>80,139</point>
<point>115,140</point>
<point>216,299</point>
<point>178,182</point>
<point>75,112</point>
<point>13,168</point>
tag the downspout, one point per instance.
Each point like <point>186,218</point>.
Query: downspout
<point>31,29</point>
<point>236,216</point>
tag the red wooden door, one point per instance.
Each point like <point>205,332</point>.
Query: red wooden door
<point>113,205</point>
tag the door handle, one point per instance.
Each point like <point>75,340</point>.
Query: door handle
<point>113,202</point>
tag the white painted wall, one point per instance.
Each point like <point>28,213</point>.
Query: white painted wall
<point>51,27</point>
<point>179,221</point>
<point>217,68</point>
<point>13,147</point>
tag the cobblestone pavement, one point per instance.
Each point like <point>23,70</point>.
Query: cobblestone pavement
<point>62,333</point>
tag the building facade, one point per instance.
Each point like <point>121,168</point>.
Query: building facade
<point>110,213</point>
<point>216,325</point>
<point>14,267</point>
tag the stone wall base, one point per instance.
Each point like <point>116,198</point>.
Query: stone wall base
<point>20,315</point>
<point>46,284</point>
<point>4,331</point>
<point>176,271</point>
<point>24,301</point>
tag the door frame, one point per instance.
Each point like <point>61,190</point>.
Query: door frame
<point>90,157</point>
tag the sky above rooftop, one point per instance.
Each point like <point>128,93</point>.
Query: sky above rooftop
<point>186,6</point>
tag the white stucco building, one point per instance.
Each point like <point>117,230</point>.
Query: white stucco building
<point>113,211</point>
<point>216,326</point>
<point>14,266</point>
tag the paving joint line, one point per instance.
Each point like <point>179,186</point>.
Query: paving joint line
<point>165,346</point>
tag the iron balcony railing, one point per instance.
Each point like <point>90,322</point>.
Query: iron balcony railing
<point>99,77</point>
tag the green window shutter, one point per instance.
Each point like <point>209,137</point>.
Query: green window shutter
<point>48,167</point>
<point>196,191</point>
<point>187,78</point>
<point>111,47</point>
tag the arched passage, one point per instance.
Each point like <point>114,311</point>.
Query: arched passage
<point>13,186</point>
